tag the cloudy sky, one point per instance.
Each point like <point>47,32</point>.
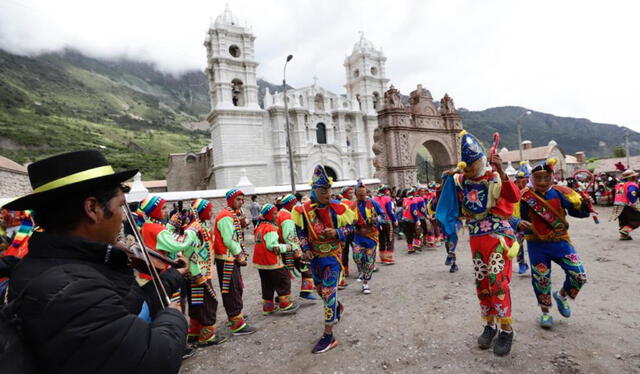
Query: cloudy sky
<point>576,58</point>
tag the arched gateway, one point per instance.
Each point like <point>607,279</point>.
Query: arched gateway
<point>402,130</point>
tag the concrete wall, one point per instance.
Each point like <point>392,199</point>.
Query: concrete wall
<point>13,184</point>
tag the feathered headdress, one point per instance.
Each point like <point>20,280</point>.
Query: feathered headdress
<point>547,165</point>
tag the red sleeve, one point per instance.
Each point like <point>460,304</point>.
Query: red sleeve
<point>510,192</point>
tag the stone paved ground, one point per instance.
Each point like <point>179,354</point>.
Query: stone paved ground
<point>420,318</point>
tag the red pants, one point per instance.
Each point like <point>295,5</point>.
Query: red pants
<point>493,274</point>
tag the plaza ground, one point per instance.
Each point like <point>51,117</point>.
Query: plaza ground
<point>422,319</point>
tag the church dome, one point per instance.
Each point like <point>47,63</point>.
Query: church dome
<point>226,18</point>
<point>363,45</point>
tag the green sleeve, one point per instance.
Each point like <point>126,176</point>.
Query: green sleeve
<point>290,235</point>
<point>229,237</point>
<point>272,244</point>
<point>166,242</point>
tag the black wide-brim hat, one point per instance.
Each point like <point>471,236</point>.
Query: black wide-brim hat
<point>66,174</point>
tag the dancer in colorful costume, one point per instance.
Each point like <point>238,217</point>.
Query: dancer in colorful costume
<point>386,238</point>
<point>288,235</point>
<point>323,226</point>
<point>627,204</point>
<point>366,239</point>
<point>544,208</point>
<point>411,220</point>
<point>196,245</point>
<point>522,177</point>
<point>228,243</point>
<point>267,258</point>
<point>346,197</point>
<point>485,199</point>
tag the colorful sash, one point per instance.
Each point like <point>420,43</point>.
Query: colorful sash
<point>547,213</point>
<point>315,227</point>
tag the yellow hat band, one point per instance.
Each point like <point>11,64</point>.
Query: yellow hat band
<point>75,178</point>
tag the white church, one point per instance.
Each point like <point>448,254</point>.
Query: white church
<point>335,130</point>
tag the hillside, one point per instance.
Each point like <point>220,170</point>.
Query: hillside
<point>571,134</point>
<point>64,101</point>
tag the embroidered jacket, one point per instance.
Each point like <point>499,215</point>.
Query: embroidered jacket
<point>627,193</point>
<point>547,212</point>
<point>267,251</point>
<point>227,239</point>
<point>312,219</point>
<point>370,215</point>
<point>388,205</point>
<point>487,203</point>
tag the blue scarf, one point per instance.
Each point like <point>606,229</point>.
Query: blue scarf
<point>448,209</point>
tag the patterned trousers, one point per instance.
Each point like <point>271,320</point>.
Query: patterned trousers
<point>326,272</point>
<point>364,255</point>
<point>493,274</point>
<point>562,253</point>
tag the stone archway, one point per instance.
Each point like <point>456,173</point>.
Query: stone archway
<point>436,161</point>
<point>403,129</point>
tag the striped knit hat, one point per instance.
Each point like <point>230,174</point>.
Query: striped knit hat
<point>268,211</point>
<point>152,206</point>
<point>232,194</point>
<point>288,199</point>
<point>383,189</point>
<point>200,205</point>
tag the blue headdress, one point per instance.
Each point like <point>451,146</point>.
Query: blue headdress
<point>320,179</point>
<point>524,171</point>
<point>471,150</point>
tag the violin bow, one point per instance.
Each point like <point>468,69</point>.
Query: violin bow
<point>155,277</point>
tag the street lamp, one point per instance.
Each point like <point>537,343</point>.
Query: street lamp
<point>286,120</point>
<point>519,123</point>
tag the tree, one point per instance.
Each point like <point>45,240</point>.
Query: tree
<point>619,152</point>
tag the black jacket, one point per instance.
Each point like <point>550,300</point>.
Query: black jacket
<point>80,312</point>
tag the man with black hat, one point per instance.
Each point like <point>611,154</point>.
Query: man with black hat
<point>80,307</point>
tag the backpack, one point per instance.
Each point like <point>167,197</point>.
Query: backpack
<point>15,357</point>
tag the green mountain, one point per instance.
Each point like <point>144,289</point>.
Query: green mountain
<point>66,101</point>
<point>571,134</point>
<point>63,101</point>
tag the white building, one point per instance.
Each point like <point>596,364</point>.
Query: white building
<point>335,130</point>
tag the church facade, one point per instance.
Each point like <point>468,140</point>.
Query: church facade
<point>335,130</point>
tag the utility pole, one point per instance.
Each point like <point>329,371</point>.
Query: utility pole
<point>626,147</point>
<point>286,120</point>
<point>519,124</point>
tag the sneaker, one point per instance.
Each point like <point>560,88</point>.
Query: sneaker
<point>502,347</point>
<point>188,353</point>
<point>308,296</point>
<point>448,261</point>
<point>486,339</point>
<point>246,330</point>
<point>453,268</point>
<point>215,341</point>
<point>342,285</point>
<point>563,305</point>
<point>365,289</point>
<point>523,268</point>
<point>546,321</point>
<point>290,309</point>
<point>325,343</point>
<point>359,277</point>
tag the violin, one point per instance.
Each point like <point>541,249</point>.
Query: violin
<point>158,261</point>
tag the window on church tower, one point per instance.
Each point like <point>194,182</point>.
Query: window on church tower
<point>237,92</point>
<point>301,100</point>
<point>234,51</point>
<point>321,133</point>
<point>359,102</point>
<point>374,71</point>
<point>376,100</point>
